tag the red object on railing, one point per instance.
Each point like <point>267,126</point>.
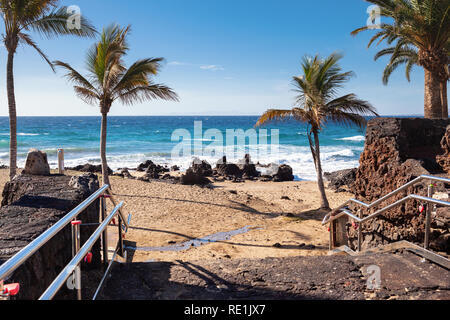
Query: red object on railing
<point>421,209</point>
<point>114,221</point>
<point>11,289</point>
<point>355,225</point>
<point>88,258</point>
<point>76,222</point>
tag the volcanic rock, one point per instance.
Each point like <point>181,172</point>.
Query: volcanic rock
<point>248,169</point>
<point>194,178</point>
<point>396,152</point>
<point>444,159</point>
<point>87,183</point>
<point>202,168</point>
<point>31,205</point>
<point>90,168</point>
<point>36,164</point>
<point>284,173</point>
<point>341,181</point>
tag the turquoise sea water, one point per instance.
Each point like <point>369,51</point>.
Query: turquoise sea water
<point>131,140</point>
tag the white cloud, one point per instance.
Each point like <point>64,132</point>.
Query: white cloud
<point>178,63</point>
<point>212,67</point>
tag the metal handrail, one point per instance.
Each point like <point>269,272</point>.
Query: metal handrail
<point>19,258</point>
<point>331,217</point>
<point>53,289</point>
<point>126,222</point>
<point>381,211</point>
<point>23,255</point>
<point>343,210</point>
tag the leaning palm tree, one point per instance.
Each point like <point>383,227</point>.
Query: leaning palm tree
<point>21,17</point>
<point>317,104</point>
<point>109,80</point>
<point>424,24</point>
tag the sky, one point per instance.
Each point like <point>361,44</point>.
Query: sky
<point>233,57</point>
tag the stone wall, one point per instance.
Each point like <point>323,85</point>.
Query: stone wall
<point>397,151</point>
<point>31,205</point>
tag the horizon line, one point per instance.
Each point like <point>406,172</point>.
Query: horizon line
<point>187,115</point>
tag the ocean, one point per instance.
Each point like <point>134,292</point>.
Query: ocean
<point>132,140</point>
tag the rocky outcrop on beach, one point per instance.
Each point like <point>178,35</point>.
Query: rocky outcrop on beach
<point>248,168</point>
<point>396,152</point>
<point>125,173</point>
<point>192,177</point>
<point>202,168</point>
<point>150,167</point>
<point>284,173</point>
<point>152,171</point>
<point>342,180</point>
<point>444,159</point>
<point>90,168</point>
<point>31,205</point>
<point>227,170</point>
<point>36,163</point>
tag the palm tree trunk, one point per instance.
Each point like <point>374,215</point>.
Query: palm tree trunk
<point>103,135</point>
<point>444,99</point>
<point>433,102</point>
<point>12,115</point>
<point>324,201</point>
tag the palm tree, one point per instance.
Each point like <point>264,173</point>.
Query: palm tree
<point>20,17</point>
<point>109,80</point>
<point>424,24</point>
<point>317,104</point>
<point>404,53</point>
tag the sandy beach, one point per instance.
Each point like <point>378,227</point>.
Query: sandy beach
<point>282,218</point>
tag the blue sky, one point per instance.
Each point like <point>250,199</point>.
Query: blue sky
<point>233,57</point>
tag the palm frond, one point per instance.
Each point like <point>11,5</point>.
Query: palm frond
<point>140,94</point>
<point>274,114</point>
<point>74,76</point>
<point>56,23</point>
<point>25,38</point>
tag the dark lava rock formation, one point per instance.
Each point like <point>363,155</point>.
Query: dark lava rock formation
<point>31,205</point>
<point>397,151</point>
<point>444,159</point>
<point>284,173</point>
<point>90,168</point>
<point>36,163</point>
<point>342,180</point>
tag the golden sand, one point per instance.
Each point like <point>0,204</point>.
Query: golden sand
<point>280,213</point>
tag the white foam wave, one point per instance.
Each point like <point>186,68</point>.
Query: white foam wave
<point>355,138</point>
<point>298,157</point>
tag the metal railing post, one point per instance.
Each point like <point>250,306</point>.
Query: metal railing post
<point>105,232</point>
<point>120,237</point>
<point>360,231</point>
<point>74,263</point>
<point>75,248</point>
<point>428,217</point>
<point>332,235</point>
